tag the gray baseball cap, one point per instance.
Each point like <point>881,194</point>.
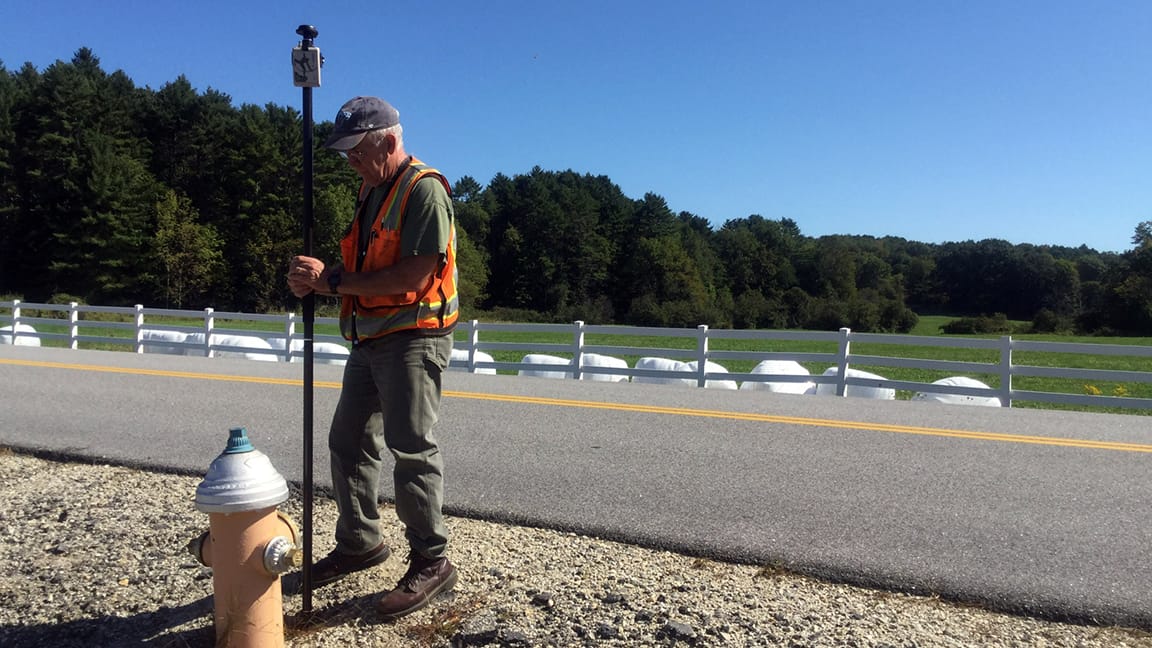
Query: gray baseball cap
<point>357,117</point>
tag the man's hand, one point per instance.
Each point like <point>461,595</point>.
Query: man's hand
<point>304,275</point>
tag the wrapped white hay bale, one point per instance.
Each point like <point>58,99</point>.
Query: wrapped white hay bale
<point>596,360</point>
<point>856,391</point>
<point>542,359</point>
<point>958,399</point>
<point>18,337</point>
<point>322,352</point>
<point>163,341</point>
<point>662,364</point>
<point>277,343</point>
<point>712,367</point>
<point>248,347</point>
<point>780,368</point>
<point>459,362</point>
<point>329,353</point>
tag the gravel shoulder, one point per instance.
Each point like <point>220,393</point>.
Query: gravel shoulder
<point>94,555</point>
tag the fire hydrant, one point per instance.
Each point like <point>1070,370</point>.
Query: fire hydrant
<point>249,544</point>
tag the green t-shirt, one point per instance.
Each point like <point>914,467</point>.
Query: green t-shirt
<point>427,220</point>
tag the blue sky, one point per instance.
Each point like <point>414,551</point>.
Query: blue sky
<point>933,120</point>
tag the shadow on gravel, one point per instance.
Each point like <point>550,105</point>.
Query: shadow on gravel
<point>359,609</point>
<point>153,628</point>
<point>447,612</point>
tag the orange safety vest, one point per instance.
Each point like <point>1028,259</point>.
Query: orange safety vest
<point>434,308</point>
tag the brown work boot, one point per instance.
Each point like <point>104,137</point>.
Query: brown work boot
<point>426,577</point>
<point>335,565</point>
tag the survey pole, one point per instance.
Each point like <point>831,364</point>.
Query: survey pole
<point>306,61</point>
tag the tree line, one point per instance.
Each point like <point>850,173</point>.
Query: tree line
<point>114,194</point>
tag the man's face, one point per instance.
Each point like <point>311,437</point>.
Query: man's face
<point>372,161</point>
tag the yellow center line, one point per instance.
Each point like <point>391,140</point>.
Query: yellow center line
<point>631,407</point>
<point>169,374</point>
<point>814,422</point>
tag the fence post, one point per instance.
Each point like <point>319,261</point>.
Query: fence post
<point>138,323</point>
<point>701,355</point>
<point>473,340</point>
<point>209,324</point>
<point>289,331</point>
<point>16,321</point>
<point>842,362</point>
<point>1006,370</point>
<point>578,349</point>
<point>73,325</point>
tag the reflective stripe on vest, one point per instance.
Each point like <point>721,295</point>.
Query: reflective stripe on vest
<point>436,307</point>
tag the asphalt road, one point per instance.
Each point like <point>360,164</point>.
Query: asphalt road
<point>1037,512</point>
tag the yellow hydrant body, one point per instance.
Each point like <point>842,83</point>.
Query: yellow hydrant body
<point>248,545</point>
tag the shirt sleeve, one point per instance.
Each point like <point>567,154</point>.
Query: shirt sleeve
<point>428,219</point>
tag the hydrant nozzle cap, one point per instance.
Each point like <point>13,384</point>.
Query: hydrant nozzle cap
<point>240,479</point>
<point>238,441</point>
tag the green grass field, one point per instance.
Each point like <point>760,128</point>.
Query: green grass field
<point>928,326</point>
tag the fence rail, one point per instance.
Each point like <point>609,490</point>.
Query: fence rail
<point>471,350</point>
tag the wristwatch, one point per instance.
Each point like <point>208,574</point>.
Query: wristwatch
<point>334,282</point>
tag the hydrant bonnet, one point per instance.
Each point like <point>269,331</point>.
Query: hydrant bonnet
<point>240,479</point>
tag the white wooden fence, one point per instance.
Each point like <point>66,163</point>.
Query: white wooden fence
<point>472,351</point>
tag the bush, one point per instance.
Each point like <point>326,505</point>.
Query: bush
<point>327,308</point>
<point>1047,321</point>
<point>827,315</point>
<point>898,318</point>
<point>502,314</point>
<point>984,324</point>
<point>596,310</point>
<point>62,299</point>
<point>864,316</point>
<point>65,299</point>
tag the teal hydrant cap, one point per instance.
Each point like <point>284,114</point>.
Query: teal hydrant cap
<point>240,479</point>
<point>238,441</point>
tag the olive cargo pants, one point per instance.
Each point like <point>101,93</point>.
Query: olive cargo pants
<point>390,398</point>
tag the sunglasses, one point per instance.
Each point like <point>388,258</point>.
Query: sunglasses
<point>352,154</point>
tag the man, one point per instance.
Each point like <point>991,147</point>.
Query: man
<point>397,284</point>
